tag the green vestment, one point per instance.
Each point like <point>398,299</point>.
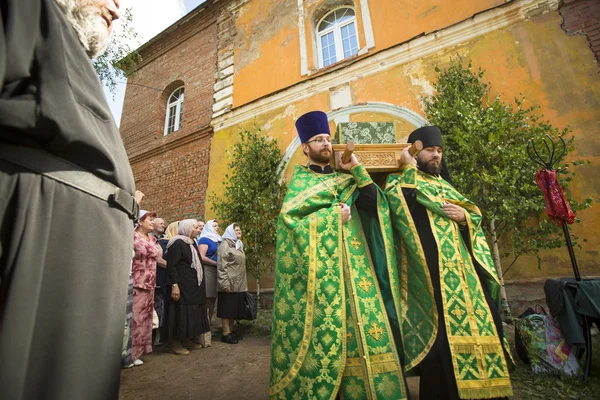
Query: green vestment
<point>331,332</point>
<point>478,359</point>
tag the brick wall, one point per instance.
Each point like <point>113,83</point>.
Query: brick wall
<point>582,17</point>
<point>172,170</point>
<point>175,181</point>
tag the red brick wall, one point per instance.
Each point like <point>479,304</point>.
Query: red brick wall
<point>172,170</point>
<point>582,17</point>
<point>175,181</point>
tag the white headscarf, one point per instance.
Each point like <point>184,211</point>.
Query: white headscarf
<point>185,230</point>
<point>230,234</point>
<point>210,233</point>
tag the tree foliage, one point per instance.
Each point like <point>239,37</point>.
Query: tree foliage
<point>485,149</point>
<point>253,196</point>
<point>119,60</point>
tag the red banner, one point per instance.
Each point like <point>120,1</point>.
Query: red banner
<point>557,206</point>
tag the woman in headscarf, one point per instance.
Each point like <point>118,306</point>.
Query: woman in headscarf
<point>208,245</point>
<point>231,276</point>
<point>172,231</point>
<point>147,252</point>
<point>186,317</point>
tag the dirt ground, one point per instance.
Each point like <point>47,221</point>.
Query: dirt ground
<point>223,371</point>
<point>241,371</point>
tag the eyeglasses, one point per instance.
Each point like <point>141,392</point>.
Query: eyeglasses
<point>319,141</point>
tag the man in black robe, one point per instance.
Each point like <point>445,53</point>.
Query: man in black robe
<point>65,205</point>
<point>436,229</point>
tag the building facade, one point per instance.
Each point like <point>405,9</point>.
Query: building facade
<point>364,60</point>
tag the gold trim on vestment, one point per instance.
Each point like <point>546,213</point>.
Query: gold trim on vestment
<point>310,306</point>
<point>376,358</point>
<point>413,229</point>
<point>474,344</point>
<point>361,342</point>
<point>343,274</point>
<point>388,243</point>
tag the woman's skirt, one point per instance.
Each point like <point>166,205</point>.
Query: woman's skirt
<point>210,277</point>
<point>231,305</point>
<point>184,321</point>
<point>141,322</point>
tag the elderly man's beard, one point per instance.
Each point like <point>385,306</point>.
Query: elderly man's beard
<point>431,167</point>
<point>319,156</point>
<point>85,17</point>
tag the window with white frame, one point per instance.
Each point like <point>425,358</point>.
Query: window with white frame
<point>336,36</point>
<point>174,111</point>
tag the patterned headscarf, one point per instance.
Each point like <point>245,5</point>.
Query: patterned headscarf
<point>172,230</point>
<point>185,230</point>
<point>230,234</point>
<point>210,233</point>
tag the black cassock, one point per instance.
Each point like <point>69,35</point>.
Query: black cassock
<point>65,255</point>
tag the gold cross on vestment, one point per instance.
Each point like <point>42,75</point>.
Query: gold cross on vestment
<point>376,332</point>
<point>356,243</point>
<point>458,313</point>
<point>365,284</point>
<point>481,313</point>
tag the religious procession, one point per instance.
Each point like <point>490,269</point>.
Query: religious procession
<point>299,199</point>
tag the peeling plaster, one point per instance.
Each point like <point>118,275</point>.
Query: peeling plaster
<point>290,111</point>
<point>415,73</point>
<point>263,28</point>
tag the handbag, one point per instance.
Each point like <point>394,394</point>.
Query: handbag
<point>543,343</point>
<point>250,313</point>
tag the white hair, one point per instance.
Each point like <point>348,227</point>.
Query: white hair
<point>83,15</point>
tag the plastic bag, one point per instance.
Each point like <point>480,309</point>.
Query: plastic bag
<point>546,347</point>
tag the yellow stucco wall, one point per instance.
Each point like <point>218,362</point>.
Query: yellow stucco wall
<point>268,36</point>
<point>534,58</point>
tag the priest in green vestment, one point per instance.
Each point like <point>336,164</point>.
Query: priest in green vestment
<point>334,330</point>
<point>451,325</point>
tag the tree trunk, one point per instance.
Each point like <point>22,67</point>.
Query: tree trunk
<point>505,311</point>
<point>257,295</point>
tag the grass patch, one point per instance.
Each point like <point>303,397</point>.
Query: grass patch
<point>260,327</point>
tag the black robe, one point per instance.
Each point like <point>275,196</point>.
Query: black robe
<point>64,254</point>
<point>188,317</point>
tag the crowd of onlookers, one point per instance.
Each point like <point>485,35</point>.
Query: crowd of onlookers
<point>178,274</point>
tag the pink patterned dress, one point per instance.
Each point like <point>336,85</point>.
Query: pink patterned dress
<point>144,281</point>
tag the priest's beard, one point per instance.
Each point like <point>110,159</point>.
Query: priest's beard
<point>86,18</point>
<point>431,167</point>
<point>320,156</point>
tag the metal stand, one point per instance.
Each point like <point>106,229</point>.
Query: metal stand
<point>552,157</point>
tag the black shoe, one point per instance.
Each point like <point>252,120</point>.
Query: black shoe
<point>230,338</point>
<point>237,336</point>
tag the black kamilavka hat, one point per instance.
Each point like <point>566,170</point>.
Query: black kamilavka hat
<point>431,136</point>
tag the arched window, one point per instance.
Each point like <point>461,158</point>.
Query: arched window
<point>336,36</point>
<point>174,111</point>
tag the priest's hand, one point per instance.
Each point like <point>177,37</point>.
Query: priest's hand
<point>345,213</point>
<point>353,161</point>
<point>406,158</point>
<point>457,213</point>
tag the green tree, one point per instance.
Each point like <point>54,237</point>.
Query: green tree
<point>485,150</point>
<point>253,197</point>
<point>119,60</point>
